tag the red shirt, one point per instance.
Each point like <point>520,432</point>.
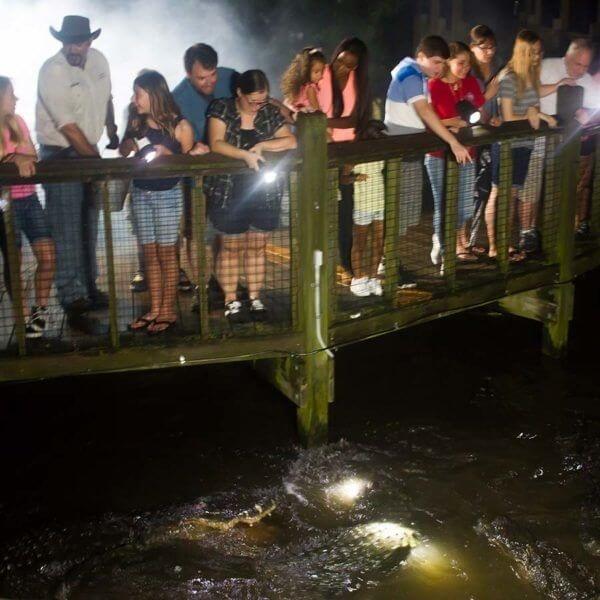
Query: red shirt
<point>444,97</point>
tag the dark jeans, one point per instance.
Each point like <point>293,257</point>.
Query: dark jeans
<point>73,219</point>
<point>345,208</point>
<point>4,250</point>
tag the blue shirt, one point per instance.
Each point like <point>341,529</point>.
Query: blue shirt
<point>408,85</point>
<point>193,104</point>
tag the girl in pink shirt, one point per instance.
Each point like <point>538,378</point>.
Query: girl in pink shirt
<point>344,91</point>
<point>300,82</point>
<point>344,97</point>
<point>27,213</point>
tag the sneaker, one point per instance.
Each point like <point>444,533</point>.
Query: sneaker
<point>184,284</point>
<point>381,267</point>
<point>529,241</point>
<point>39,318</point>
<point>138,283</point>
<point>360,286</point>
<point>406,280</point>
<point>30,332</point>
<point>375,288</point>
<point>583,232</point>
<point>257,309</point>
<point>233,311</point>
<point>436,250</point>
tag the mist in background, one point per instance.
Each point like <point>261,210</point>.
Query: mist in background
<point>263,34</point>
<point>136,34</point>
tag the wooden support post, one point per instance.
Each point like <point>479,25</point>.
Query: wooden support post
<point>393,173</point>
<point>503,226</point>
<point>307,378</point>
<point>315,268</point>
<point>110,268</point>
<point>450,205</point>
<point>202,270</point>
<point>14,266</point>
<point>556,332</point>
<point>551,201</point>
<point>595,204</point>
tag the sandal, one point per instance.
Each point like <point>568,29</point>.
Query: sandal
<point>169,325</point>
<point>465,257</point>
<point>140,324</point>
<point>516,256</point>
<point>479,250</point>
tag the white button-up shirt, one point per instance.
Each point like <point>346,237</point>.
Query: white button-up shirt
<point>68,94</point>
<point>553,70</point>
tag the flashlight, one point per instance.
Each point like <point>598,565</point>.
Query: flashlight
<point>467,112</point>
<point>269,176</point>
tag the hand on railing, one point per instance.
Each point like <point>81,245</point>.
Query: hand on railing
<point>253,158</point>
<point>461,153</point>
<point>25,164</point>
<point>198,149</point>
<point>534,118</point>
<point>550,120</point>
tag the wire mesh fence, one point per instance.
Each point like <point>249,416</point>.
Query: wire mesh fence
<point>123,262</point>
<point>127,262</point>
<point>418,226</point>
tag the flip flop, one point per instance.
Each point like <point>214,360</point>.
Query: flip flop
<point>169,325</point>
<point>466,257</point>
<point>144,324</point>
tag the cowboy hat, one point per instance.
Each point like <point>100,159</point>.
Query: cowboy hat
<point>75,28</point>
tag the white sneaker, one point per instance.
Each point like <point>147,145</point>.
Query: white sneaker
<point>436,250</point>
<point>375,288</point>
<point>257,309</point>
<point>233,311</point>
<point>360,286</point>
<point>381,268</point>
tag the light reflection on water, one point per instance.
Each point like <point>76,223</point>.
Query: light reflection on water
<point>408,532</point>
<point>442,468</point>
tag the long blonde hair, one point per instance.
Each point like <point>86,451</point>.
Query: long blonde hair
<point>8,121</point>
<point>527,73</point>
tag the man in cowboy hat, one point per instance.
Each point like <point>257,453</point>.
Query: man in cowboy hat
<point>74,105</point>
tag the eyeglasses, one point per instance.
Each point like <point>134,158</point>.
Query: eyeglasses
<point>259,103</point>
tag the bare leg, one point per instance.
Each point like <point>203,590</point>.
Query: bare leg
<point>169,272</point>
<point>377,232</point>
<point>228,265</point>
<point>44,273</point>
<point>524,212</point>
<point>154,279</point>
<point>255,261</point>
<point>359,243</point>
<point>462,240</point>
<point>490,221</point>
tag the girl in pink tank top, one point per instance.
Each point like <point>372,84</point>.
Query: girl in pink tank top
<point>26,214</point>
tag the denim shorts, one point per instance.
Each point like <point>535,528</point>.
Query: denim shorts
<point>30,218</point>
<point>520,158</point>
<point>157,215</point>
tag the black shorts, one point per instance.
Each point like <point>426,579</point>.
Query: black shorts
<point>250,207</point>
<point>520,167</point>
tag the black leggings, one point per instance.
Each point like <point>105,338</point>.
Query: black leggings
<point>346,206</point>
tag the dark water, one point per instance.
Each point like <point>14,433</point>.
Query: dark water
<point>475,463</point>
